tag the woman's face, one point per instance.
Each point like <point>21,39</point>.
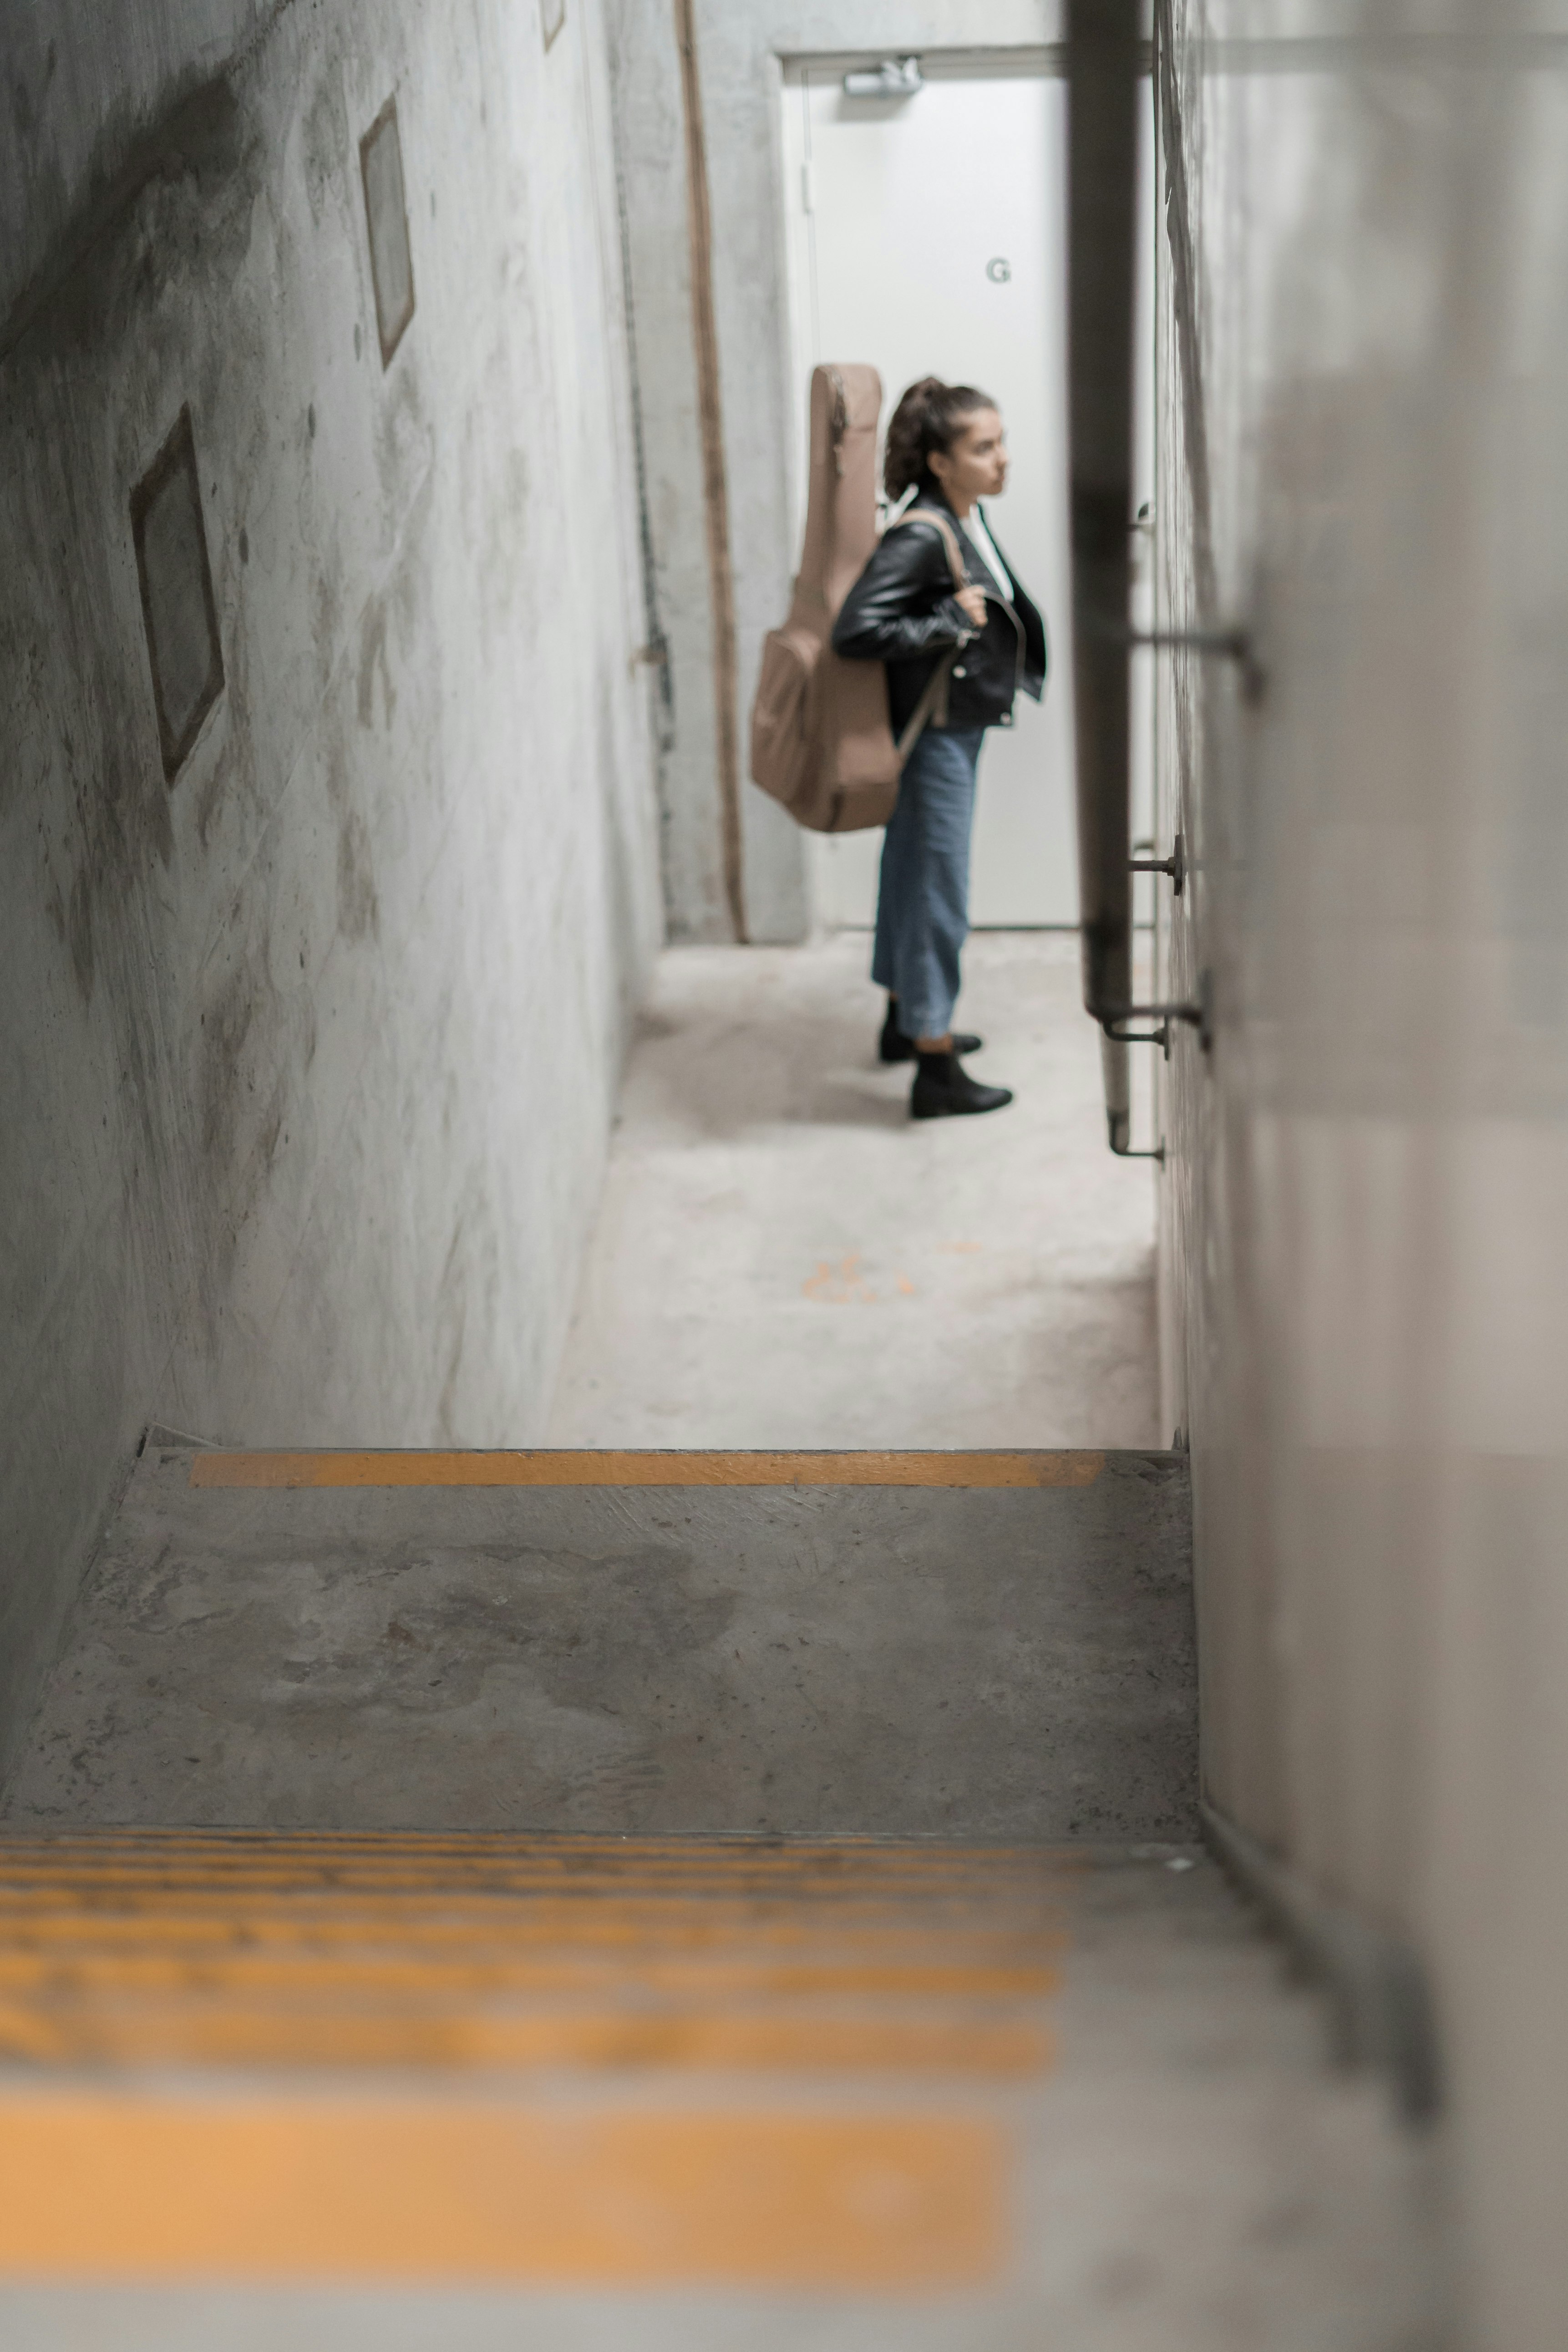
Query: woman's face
<point>976,465</point>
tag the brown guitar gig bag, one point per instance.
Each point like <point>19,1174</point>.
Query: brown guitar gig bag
<point>821,740</point>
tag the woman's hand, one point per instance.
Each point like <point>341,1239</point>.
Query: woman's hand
<point>973,602</point>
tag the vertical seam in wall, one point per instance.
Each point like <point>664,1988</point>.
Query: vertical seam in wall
<point>715,490</point>
<point>657,648</point>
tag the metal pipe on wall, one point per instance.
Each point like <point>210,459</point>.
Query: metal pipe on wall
<point>1104,59</point>
<point>1107,59</point>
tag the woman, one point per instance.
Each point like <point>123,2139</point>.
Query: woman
<point>945,442</point>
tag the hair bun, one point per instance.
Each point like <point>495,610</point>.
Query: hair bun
<point>930,415</point>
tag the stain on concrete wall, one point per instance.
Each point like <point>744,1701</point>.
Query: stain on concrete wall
<point>309,1047</point>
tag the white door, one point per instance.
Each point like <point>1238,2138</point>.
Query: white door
<point>927,237</point>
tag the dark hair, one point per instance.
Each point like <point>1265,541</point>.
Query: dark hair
<point>930,416</point>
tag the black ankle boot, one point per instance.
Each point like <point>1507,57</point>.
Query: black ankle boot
<point>945,1089</point>
<point>892,1046</point>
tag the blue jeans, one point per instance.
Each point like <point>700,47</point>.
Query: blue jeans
<point>923,907</point>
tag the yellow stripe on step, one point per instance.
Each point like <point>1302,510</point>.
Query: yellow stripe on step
<point>585,1469</point>
<point>139,2186</point>
<point>221,2033</point>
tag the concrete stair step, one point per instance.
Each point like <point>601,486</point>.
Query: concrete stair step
<point>968,1645</point>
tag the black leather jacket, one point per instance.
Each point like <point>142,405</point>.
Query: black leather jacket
<point>902,611</point>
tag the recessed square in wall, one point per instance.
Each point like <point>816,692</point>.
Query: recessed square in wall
<point>386,218</point>
<point>551,15</point>
<point>178,609</point>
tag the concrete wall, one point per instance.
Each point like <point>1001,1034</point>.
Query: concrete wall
<point>309,1055</point>
<point>739,47</point>
<point>1364,373</point>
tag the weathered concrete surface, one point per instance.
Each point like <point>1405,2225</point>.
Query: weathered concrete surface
<point>1364,363</point>
<point>739,44</point>
<point>308,1061</point>
<point>981,1662</point>
<point>1191,2176</point>
<point>783,1259</point>
<point>84,81</point>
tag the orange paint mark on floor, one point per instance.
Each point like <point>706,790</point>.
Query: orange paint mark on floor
<point>839,1284</point>
<point>141,2187</point>
<point>585,1469</point>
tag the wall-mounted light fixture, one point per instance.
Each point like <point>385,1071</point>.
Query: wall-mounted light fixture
<point>894,77</point>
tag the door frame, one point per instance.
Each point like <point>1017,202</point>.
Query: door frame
<point>970,62</point>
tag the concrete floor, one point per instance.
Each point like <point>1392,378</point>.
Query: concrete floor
<point>783,1257</point>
